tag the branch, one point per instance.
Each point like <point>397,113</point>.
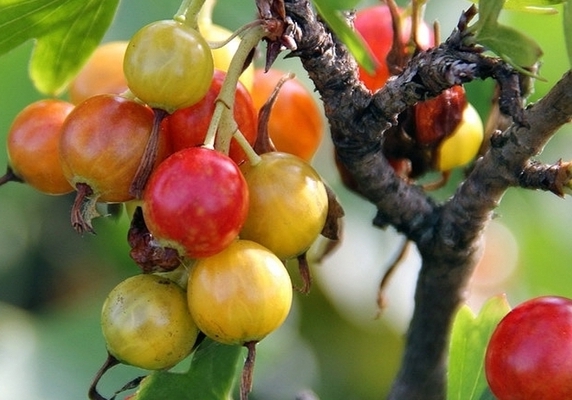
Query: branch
<point>447,235</point>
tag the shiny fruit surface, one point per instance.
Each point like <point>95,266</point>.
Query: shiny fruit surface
<point>168,65</point>
<point>461,146</point>
<point>375,26</point>
<point>102,143</point>
<point>296,123</point>
<point>33,142</point>
<point>103,73</point>
<point>529,355</point>
<point>239,295</point>
<point>288,204</point>
<point>187,127</point>
<point>196,202</point>
<point>438,117</point>
<point>146,322</point>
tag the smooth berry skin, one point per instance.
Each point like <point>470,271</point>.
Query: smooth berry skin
<point>196,201</point>
<point>187,127</point>
<point>529,355</point>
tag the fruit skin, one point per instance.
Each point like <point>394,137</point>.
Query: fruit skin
<point>146,322</point>
<point>288,204</point>
<point>529,355</point>
<point>196,201</point>
<point>102,142</point>
<point>168,65</point>
<point>239,295</point>
<point>461,146</point>
<point>438,117</point>
<point>103,73</point>
<point>296,123</point>
<point>187,127</point>
<point>33,142</point>
<point>375,26</point>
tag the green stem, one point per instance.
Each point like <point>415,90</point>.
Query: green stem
<point>188,13</point>
<point>225,99</point>
<point>253,157</point>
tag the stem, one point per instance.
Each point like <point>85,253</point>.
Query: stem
<point>247,371</point>
<point>149,156</point>
<point>253,157</point>
<point>225,99</point>
<point>188,13</point>
<point>109,363</point>
<point>10,176</point>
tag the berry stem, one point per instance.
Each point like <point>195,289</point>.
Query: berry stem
<point>10,176</point>
<point>109,363</point>
<point>188,13</point>
<point>247,371</point>
<point>225,99</point>
<point>253,157</point>
<point>149,156</point>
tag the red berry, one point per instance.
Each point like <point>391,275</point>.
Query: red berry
<point>187,127</point>
<point>196,201</point>
<point>529,355</point>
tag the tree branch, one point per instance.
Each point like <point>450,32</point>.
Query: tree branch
<point>447,235</point>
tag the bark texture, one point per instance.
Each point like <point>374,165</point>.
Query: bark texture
<point>446,234</point>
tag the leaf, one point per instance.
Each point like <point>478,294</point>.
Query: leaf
<point>567,21</point>
<point>489,11</point>
<point>211,376</point>
<point>66,33</point>
<point>510,44</point>
<point>342,4</point>
<point>348,36</point>
<point>535,6</point>
<point>469,338</point>
<point>532,6</point>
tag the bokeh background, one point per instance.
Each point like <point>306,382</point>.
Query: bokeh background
<point>53,281</point>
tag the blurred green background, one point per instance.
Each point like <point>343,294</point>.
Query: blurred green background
<point>53,281</point>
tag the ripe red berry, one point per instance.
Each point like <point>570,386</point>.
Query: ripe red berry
<point>529,355</point>
<point>196,201</point>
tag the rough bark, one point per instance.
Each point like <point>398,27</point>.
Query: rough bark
<point>446,234</point>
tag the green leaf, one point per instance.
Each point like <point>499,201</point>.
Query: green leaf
<point>342,4</point>
<point>469,338</point>
<point>567,21</point>
<point>66,33</point>
<point>489,11</point>
<point>512,45</point>
<point>211,376</point>
<point>348,36</point>
<point>535,6</point>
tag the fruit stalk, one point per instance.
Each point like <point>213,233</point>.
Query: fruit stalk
<point>188,13</point>
<point>225,99</point>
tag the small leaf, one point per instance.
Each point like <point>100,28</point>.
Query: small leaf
<point>67,32</point>
<point>510,44</point>
<point>567,21</point>
<point>342,4</point>
<point>534,6</point>
<point>211,376</point>
<point>469,338</point>
<point>348,36</point>
<point>489,11</point>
